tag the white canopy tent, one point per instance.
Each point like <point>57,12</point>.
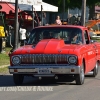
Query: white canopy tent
<point>45,7</point>
<point>28,2</point>
<point>27,5</point>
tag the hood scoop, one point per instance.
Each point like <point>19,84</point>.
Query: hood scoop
<point>49,46</point>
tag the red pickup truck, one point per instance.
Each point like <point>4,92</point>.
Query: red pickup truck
<point>52,51</point>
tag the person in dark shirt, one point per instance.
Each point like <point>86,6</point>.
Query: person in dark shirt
<point>44,19</point>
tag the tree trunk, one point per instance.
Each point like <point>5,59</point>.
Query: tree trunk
<point>92,12</point>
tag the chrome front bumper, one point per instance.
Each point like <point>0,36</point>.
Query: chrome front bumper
<point>51,70</point>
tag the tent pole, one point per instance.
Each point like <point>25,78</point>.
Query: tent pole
<point>41,16</point>
<point>33,15</point>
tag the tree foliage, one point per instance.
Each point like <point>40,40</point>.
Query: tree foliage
<point>71,3</point>
<point>58,3</point>
<point>75,4</point>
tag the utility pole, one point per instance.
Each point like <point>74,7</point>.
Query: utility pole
<point>83,14</point>
<point>16,35</point>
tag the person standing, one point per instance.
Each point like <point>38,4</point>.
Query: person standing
<point>58,21</point>
<point>69,19</point>
<point>44,19</point>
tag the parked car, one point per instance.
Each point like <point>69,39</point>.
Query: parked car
<point>53,51</point>
<point>92,34</point>
<point>94,27</point>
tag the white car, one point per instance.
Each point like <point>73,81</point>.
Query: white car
<point>93,34</point>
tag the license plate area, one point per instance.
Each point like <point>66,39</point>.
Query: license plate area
<point>44,71</point>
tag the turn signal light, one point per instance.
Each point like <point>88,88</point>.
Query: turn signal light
<point>15,70</point>
<point>72,70</point>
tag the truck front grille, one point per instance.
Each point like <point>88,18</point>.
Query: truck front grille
<point>44,59</point>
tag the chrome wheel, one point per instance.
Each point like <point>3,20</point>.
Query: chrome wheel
<point>80,77</point>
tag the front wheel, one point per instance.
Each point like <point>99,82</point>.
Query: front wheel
<point>80,77</point>
<point>18,79</point>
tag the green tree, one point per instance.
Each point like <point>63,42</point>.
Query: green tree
<point>91,4</point>
<point>59,3</point>
<point>75,4</point>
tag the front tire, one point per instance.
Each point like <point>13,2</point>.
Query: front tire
<point>80,77</point>
<point>18,79</point>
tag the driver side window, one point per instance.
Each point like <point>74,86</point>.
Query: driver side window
<point>86,39</point>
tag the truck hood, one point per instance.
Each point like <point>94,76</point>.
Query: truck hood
<point>48,46</point>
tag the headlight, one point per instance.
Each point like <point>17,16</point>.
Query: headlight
<point>72,59</point>
<point>16,60</point>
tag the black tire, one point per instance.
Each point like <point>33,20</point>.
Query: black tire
<point>95,70</point>
<point>18,79</point>
<point>80,77</point>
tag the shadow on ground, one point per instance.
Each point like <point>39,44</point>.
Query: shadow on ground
<point>7,80</point>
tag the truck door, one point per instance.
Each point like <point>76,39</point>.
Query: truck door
<point>90,52</point>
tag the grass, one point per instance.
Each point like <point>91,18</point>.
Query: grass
<point>4,58</point>
<point>4,70</point>
<point>4,61</point>
<point>97,39</point>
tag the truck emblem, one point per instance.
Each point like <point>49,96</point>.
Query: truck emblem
<point>59,51</point>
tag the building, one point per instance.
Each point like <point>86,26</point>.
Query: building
<point>97,12</point>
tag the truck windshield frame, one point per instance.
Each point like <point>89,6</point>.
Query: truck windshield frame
<point>66,34</point>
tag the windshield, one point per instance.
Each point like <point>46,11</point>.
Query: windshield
<point>67,34</point>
